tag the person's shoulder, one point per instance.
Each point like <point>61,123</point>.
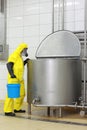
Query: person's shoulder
<point>13,57</point>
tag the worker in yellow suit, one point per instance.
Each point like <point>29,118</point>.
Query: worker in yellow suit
<point>15,66</point>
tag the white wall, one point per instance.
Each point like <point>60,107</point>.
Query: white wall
<point>73,15</point>
<point>30,21</point>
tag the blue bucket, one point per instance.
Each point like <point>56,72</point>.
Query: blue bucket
<point>13,90</point>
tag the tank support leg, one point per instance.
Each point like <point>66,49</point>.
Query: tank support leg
<point>29,108</point>
<point>48,111</point>
<point>60,112</point>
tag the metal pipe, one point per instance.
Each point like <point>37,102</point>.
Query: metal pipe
<point>52,16</point>
<point>84,63</point>
<point>62,14</point>
<point>74,106</point>
<point>59,16</point>
<point>28,90</point>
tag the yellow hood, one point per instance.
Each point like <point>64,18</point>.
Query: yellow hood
<point>21,47</point>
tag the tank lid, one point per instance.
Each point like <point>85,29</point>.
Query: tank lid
<point>59,44</point>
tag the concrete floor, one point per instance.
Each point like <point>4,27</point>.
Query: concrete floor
<point>39,120</point>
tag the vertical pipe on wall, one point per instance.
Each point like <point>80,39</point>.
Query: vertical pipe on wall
<point>61,5</point>
<point>52,16</point>
<point>85,27</point>
<point>59,15</point>
<point>0,5</point>
<point>62,14</point>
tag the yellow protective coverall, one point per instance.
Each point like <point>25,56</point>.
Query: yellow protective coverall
<point>18,68</point>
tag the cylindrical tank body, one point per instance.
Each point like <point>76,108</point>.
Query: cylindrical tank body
<point>56,81</point>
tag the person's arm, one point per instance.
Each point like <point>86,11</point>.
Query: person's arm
<point>10,69</point>
<point>26,61</point>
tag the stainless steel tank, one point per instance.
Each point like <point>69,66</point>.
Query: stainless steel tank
<point>55,81</point>
<point>54,78</point>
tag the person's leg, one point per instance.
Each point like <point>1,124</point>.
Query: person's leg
<point>8,106</point>
<point>19,101</point>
